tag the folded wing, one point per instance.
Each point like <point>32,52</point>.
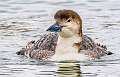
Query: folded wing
<point>92,49</point>
<point>42,48</point>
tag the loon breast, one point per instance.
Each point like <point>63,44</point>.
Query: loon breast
<point>52,47</point>
<point>65,49</point>
<point>70,56</point>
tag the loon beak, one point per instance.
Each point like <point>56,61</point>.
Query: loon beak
<point>54,28</point>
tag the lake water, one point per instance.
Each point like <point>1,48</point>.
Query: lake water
<point>24,20</point>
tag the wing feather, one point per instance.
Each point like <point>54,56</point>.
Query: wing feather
<point>42,48</point>
<point>92,49</point>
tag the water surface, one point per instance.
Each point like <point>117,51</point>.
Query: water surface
<point>24,20</point>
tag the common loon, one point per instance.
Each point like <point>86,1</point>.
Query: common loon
<point>65,41</point>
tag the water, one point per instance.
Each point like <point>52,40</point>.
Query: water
<point>24,20</point>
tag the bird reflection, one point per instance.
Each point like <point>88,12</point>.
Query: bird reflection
<point>69,70</point>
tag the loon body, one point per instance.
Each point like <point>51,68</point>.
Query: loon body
<point>65,41</point>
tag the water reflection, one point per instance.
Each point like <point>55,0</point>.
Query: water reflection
<point>25,20</point>
<point>68,70</point>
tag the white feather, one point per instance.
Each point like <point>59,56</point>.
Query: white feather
<point>66,51</point>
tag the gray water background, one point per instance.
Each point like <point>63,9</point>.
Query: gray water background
<point>25,20</point>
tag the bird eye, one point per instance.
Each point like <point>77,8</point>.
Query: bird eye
<point>63,26</point>
<point>69,20</point>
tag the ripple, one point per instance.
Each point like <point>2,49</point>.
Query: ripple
<point>98,1</point>
<point>4,5</point>
<point>22,20</point>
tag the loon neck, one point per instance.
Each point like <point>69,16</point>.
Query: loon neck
<point>66,45</point>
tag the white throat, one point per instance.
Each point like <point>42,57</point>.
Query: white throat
<point>65,45</point>
<point>65,49</point>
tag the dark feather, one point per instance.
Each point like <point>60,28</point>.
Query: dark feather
<point>94,50</point>
<point>42,48</point>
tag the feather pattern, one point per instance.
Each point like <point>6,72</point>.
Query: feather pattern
<point>41,49</point>
<point>92,49</point>
<point>44,48</point>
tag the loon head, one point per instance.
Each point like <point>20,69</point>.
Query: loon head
<point>68,23</point>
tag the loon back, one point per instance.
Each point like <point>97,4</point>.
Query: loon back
<point>45,47</point>
<point>92,49</point>
<point>41,49</point>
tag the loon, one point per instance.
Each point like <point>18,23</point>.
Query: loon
<point>64,41</point>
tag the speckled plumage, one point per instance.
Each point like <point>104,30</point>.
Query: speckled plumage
<point>44,48</point>
<point>67,40</point>
<point>41,49</point>
<point>92,49</point>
